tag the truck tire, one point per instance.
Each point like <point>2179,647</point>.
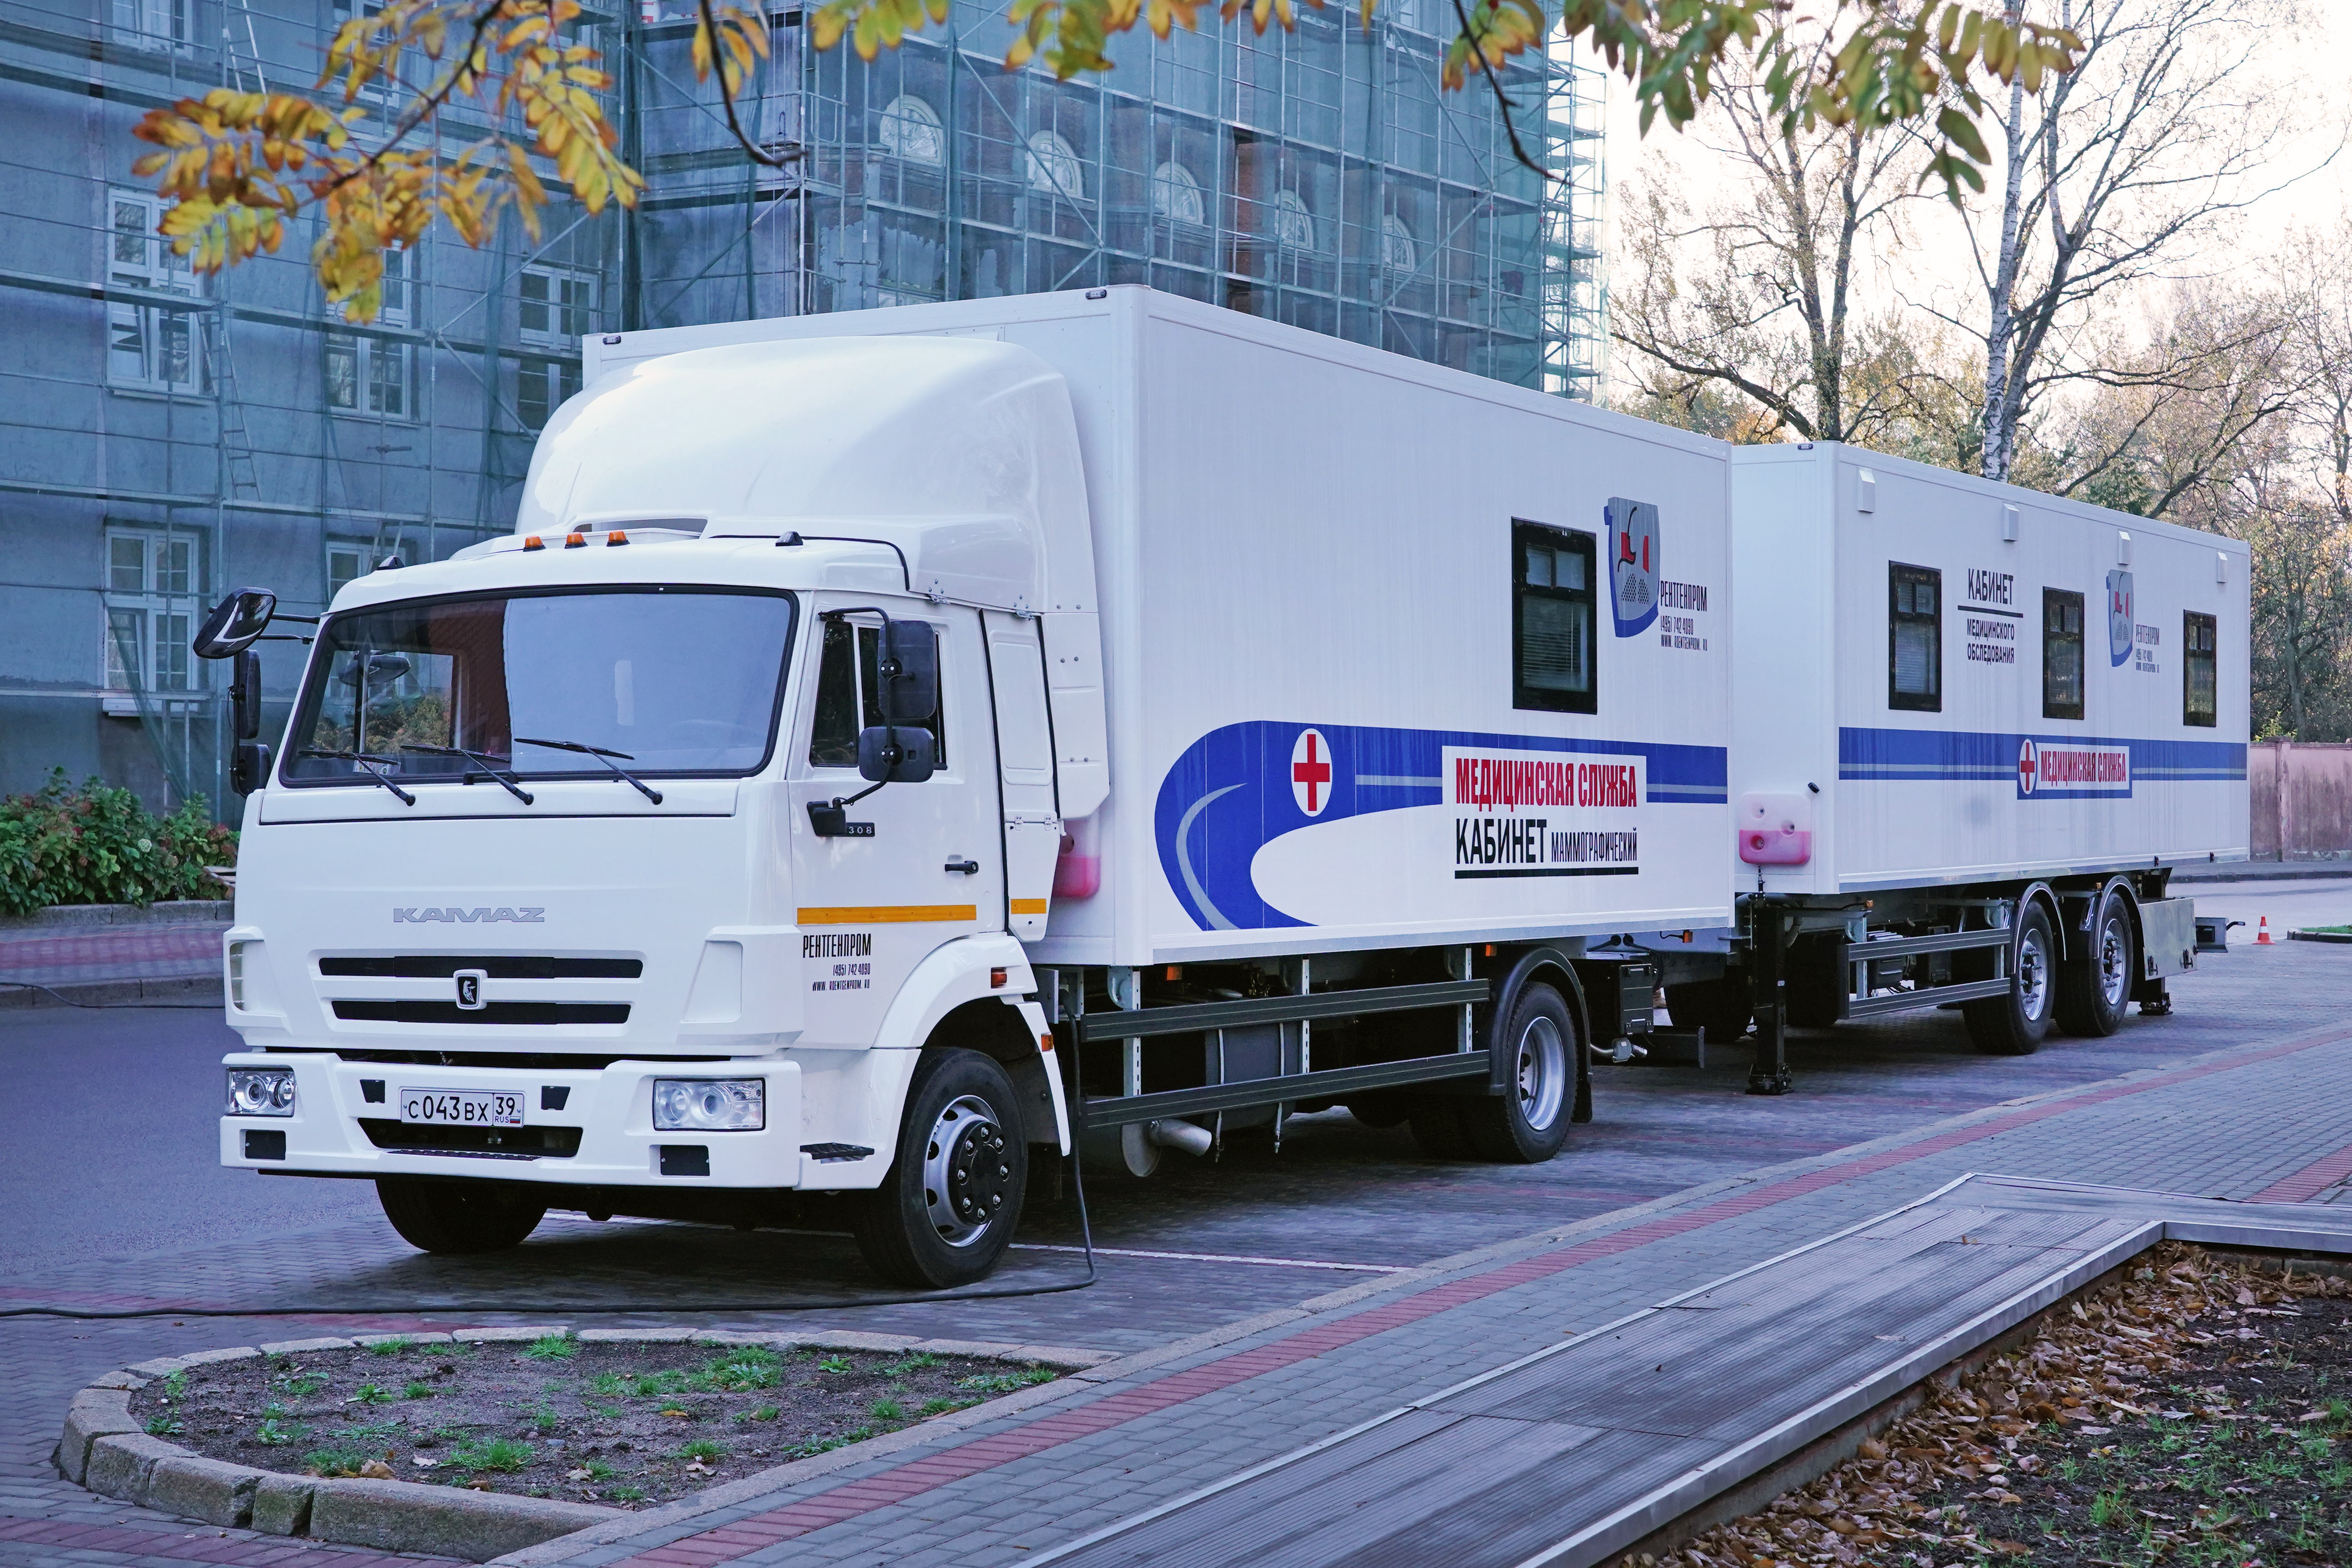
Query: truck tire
<point>1527,1123</point>
<point>2013,1026</point>
<point>2095,986</point>
<point>1720,1006</point>
<point>457,1216</point>
<point>946,1210</point>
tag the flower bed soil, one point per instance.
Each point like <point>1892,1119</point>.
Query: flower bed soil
<point>625,1425</point>
<point>2197,1412</point>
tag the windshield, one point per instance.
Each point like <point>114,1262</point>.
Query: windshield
<point>663,681</point>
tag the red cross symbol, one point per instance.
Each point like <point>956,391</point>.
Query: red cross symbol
<point>2028,765</point>
<point>1310,767</point>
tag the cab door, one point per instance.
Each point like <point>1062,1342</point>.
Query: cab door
<point>873,905</point>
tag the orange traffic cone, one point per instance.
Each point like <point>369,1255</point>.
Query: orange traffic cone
<point>2263,933</point>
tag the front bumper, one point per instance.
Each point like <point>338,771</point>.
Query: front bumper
<point>611,1108</point>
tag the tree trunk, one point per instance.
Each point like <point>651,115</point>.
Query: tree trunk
<point>1999,417</point>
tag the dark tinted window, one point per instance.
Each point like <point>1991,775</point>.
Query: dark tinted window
<point>2200,703</point>
<point>2062,653</point>
<point>1915,637</point>
<point>847,697</point>
<point>1552,614</point>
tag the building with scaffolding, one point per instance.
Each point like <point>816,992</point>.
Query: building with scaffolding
<point>170,437</point>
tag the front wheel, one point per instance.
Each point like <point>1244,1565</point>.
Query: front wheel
<point>945,1212</point>
<point>2013,1026</point>
<point>457,1216</point>
<point>1527,1123</point>
<point>2095,986</point>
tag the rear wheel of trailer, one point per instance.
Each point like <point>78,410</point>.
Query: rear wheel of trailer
<point>2014,1025</point>
<point>2095,981</point>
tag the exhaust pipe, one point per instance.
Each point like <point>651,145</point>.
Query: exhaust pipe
<point>1191,1137</point>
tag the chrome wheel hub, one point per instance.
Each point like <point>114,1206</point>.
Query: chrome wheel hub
<point>2033,974</point>
<point>1542,1073</point>
<point>2114,948</point>
<point>967,1169</point>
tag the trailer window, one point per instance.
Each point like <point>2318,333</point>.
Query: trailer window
<point>1915,637</point>
<point>846,698</point>
<point>2199,701</point>
<point>2062,653</point>
<point>1552,613</point>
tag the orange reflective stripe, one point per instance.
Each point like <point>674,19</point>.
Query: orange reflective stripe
<point>888,914</point>
<point>1028,906</point>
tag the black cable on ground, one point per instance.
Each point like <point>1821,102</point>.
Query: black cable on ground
<point>410,1309</point>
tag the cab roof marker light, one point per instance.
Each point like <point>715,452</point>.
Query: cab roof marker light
<point>574,541</point>
<point>615,537</point>
<point>533,542</point>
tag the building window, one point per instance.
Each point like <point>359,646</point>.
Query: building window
<point>556,307</point>
<point>347,563</point>
<point>540,387</point>
<point>1176,195</point>
<point>155,23</point>
<point>847,697</point>
<point>1054,168</point>
<point>911,129</point>
<point>151,347</point>
<point>1294,226</point>
<point>153,583</point>
<point>2201,685</point>
<point>1398,253</point>
<point>369,374</point>
<point>1552,591</point>
<point>1915,637</point>
<point>2062,653</point>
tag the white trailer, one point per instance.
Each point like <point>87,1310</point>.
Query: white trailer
<point>1975,728</point>
<point>1300,716</point>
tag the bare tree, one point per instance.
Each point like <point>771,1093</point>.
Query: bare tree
<point>1758,296</point>
<point>2115,174</point>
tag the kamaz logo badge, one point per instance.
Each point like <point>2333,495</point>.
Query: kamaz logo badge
<point>529,917</point>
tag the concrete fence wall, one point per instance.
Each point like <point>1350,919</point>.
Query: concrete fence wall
<point>2301,796</point>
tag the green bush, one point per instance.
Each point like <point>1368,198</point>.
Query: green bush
<point>97,845</point>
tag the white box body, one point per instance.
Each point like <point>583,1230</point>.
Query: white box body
<point>1988,787</point>
<point>1292,532</point>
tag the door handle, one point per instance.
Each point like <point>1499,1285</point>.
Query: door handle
<point>969,868</point>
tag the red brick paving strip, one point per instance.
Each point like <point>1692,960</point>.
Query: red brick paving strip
<point>743,1536</point>
<point>2309,1182</point>
<point>246,1551</point>
<point>112,949</point>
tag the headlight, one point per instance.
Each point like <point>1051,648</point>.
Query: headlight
<point>710,1104</point>
<point>260,1091</point>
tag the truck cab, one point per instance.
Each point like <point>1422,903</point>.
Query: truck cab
<point>664,863</point>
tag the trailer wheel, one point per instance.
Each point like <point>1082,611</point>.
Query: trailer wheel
<point>457,1216</point>
<point>2095,986</point>
<point>945,1213</point>
<point>2012,1026</point>
<point>1527,1123</point>
<point>1720,1006</point>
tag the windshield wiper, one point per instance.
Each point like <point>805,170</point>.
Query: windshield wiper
<point>489,767</point>
<point>601,755</point>
<point>369,763</point>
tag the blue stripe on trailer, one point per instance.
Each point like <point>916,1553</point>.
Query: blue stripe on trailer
<point>1939,755</point>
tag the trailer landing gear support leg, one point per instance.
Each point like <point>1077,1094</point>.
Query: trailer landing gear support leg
<point>2155,1000</point>
<point>1768,1073</point>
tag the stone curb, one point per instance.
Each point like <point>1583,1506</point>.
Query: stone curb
<point>187,991</point>
<point>69,918</point>
<point>102,1448</point>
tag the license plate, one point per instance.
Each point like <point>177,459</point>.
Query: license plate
<point>461,1107</point>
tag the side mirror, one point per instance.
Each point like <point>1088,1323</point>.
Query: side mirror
<point>235,623</point>
<point>909,676</point>
<point>245,695</point>
<point>381,669</point>
<point>895,754</point>
<point>249,766</point>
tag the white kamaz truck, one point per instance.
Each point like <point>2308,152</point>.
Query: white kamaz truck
<point>892,743</point>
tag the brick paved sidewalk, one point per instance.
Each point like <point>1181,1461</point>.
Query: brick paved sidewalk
<point>45,956</point>
<point>2272,1119</point>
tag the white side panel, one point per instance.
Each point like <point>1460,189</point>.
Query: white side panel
<point>1783,687</point>
<point>1931,797</point>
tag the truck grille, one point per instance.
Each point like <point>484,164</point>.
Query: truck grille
<point>524,1013</point>
<point>489,1143</point>
<point>441,966</point>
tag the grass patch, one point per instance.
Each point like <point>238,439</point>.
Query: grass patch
<point>276,1432</point>
<point>162,1426</point>
<point>1008,1382</point>
<point>417,1389</point>
<point>887,1410</point>
<point>333,1461</point>
<point>372,1393</point>
<point>392,1346</point>
<point>836,1363</point>
<point>703,1449</point>
<point>491,1453</point>
<point>553,1347</point>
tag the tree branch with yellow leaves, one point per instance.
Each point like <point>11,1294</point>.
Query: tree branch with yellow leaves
<point>235,167</point>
